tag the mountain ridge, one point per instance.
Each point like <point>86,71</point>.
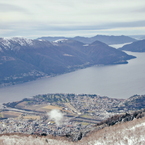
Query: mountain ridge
<point>24,59</point>
<point>109,40</point>
<point>137,46</point>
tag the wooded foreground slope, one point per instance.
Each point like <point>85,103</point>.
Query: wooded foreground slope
<point>125,133</point>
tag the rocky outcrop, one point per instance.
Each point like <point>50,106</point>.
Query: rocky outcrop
<point>121,118</point>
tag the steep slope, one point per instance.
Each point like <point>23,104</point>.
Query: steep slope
<point>128,133</point>
<point>135,102</point>
<point>25,59</point>
<point>14,69</point>
<point>101,53</point>
<point>137,46</point>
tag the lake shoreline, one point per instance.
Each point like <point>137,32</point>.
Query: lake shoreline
<point>69,71</point>
<point>114,81</point>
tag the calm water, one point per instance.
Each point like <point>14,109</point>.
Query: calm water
<point>116,81</point>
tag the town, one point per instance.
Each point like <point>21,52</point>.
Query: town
<point>58,114</point>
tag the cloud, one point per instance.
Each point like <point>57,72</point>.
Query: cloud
<point>56,115</point>
<point>64,16</point>
<point>10,8</point>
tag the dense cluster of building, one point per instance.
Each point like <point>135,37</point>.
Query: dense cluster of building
<point>80,114</point>
<point>42,126</point>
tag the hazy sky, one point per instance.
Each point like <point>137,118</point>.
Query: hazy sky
<point>35,18</point>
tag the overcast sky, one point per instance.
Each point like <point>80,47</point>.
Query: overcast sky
<point>36,18</point>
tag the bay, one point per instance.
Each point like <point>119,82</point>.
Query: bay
<point>115,81</point>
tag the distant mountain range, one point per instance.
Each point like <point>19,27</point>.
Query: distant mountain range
<point>109,40</point>
<point>25,59</point>
<point>138,37</point>
<point>137,46</point>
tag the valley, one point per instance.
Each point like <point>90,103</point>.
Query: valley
<point>72,72</point>
<point>69,116</point>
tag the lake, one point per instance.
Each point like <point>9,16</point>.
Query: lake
<point>115,81</point>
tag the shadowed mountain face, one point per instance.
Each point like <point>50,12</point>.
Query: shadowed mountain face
<point>24,59</point>
<point>137,46</point>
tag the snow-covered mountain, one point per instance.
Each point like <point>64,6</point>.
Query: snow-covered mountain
<point>24,59</point>
<point>13,43</point>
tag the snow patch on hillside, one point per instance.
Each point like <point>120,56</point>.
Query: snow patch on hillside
<point>137,126</point>
<point>5,42</point>
<point>13,43</point>
<point>22,41</point>
<point>60,40</point>
<point>86,45</point>
<point>30,140</point>
<point>67,55</point>
<point>128,133</point>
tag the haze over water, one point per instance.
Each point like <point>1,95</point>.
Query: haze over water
<point>116,81</point>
